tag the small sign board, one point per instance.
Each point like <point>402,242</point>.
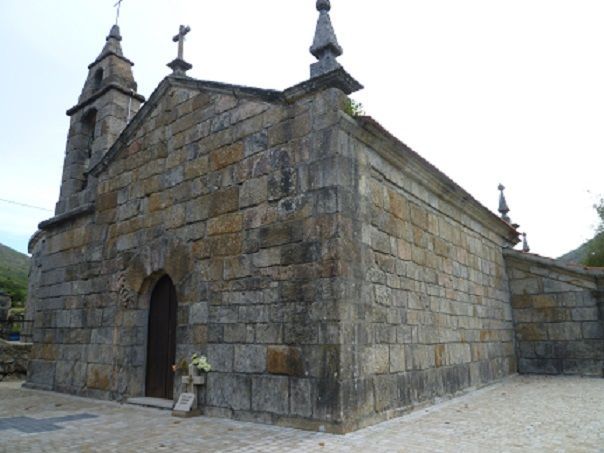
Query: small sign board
<point>185,402</point>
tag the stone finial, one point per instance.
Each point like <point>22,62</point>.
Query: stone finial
<point>503,205</point>
<point>180,66</point>
<point>525,246</point>
<point>112,46</point>
<point>115,33</point>
<point>325,46</point>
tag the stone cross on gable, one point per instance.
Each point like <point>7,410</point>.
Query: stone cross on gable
<point>180,66</point>
<point>180,39</point>
<point>118,5</point>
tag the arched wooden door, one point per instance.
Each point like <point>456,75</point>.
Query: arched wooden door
<point>161,340</point>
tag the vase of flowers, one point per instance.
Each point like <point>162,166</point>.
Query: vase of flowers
<point>199,364</point>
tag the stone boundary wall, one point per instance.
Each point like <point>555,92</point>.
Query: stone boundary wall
<point>13,359</point>
<point>558,314</point>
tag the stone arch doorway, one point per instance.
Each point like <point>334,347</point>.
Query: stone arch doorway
<point>161,340</point>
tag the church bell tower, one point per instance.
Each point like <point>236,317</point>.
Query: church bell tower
<point>107,103</point>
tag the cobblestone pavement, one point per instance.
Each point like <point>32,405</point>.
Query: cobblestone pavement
<point>521,414</point>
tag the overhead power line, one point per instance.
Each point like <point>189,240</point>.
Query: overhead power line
<point>24,205</point>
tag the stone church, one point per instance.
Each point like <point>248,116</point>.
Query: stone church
<point>332,276</point>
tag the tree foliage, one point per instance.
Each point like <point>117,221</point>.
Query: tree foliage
<point>595,247</point>
<point>14,268</point>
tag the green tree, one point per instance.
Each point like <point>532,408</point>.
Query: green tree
<point>595,247</point>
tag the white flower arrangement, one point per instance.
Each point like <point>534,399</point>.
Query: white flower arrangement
<point>201,363</point>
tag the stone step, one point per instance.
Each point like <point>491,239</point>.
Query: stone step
<point>157,403</point>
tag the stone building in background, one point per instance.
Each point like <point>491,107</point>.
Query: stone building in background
<point>333,277</point>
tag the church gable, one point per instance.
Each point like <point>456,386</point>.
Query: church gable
<point>191,143</point>
<point>178,105</point>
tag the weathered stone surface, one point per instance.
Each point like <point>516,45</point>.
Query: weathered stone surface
<point>270,394</point>
<point>250,358</point>
<point>13,359</point>
<point>556,330</point>
<point>300,398</point>
<point>284,360</point>
<point>229,390</point>
<point>221,357</point>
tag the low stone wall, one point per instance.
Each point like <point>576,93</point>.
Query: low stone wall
<point>558,314</point>
<point>13,359</point>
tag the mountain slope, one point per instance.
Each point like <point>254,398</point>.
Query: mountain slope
<point>14,269</point>
<point>580,255</point>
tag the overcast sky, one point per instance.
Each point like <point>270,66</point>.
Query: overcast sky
<point>488,91</point>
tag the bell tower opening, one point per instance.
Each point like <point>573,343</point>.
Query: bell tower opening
<point>88,136</point>
<point>98,78</point>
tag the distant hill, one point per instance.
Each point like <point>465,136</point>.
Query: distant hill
<point>579,255</point>
<point>14,269</point>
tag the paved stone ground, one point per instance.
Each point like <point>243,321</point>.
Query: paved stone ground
<point>553,414</point>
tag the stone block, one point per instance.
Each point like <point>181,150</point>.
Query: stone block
<point>593,330</point>
<point>584,314</point>
<point>282,184</point>
<point>584,367</point>
<point>300,401</point>
<point>304,252</point>
<point>238,333</point>
<point>99,377</point>
<point>102,335</point>
<point>198,313</point>
<point>224,201</point>
<point>280,133</point>
<point>586,349</point>
<point>540,366</point>
<point>250,358</point>
<point>419,357</point>
<point>227,223</point>
<point>255,143</point>
<point>220,357</point>
<point>268,333</point>
<point>531,332</point>
<point>267,257</point>
<point>270,394</point>
<point>225,245</point>
<point>253,192</point>
<point>541,350</point>
<point>375,360</point>
<point>254,314</point>
<point>397,358</point>
<point>226,156</point>
<point>564,331</point>
<point>280,233</point>
<point>285,360</point>
<point>526,286</point>
<point>199,335</point>
<point>386,392</point>
<point>229,391</point>
<point>237,267</point>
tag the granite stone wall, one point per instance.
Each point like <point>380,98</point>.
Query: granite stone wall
<point>427,310</point>
<point>332,276</point>
<point>233,193</point>
<point>558,316</point>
